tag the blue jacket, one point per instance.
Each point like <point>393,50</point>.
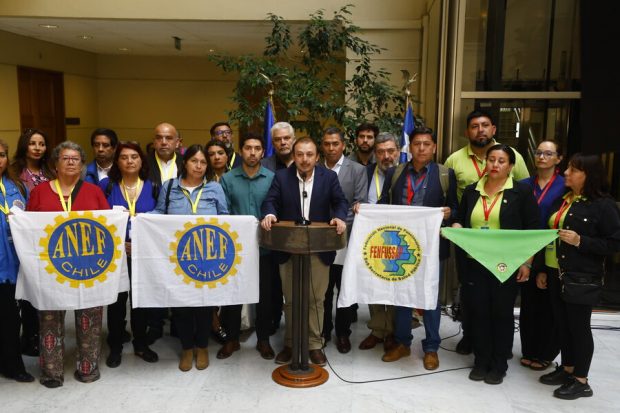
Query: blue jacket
<point>92,175</point>
<point>9,263</point>
<point>327,201</point>
<point>212,200</point>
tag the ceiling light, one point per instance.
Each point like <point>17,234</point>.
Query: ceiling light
<point>211,50</point>
<point>85,37</point>
<point>49,26</point>
<point>123,49</point>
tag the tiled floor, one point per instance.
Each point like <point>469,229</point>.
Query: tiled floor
<point>243,382</point>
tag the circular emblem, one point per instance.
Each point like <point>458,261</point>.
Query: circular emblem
<point>392,253</point>
<point>205,253</point>
<point>501,267</point>
<point>80,249</point>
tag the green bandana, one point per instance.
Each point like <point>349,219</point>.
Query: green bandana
<point>501,251</point>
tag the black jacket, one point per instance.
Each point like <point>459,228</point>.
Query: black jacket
<point>598,224</point>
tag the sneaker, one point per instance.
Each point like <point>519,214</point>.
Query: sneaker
<point>557,377</point>
<point>573,390</point>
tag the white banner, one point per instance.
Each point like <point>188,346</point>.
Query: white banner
<point>70,260</point>
<point>393,257</point>
<point>193,260</point>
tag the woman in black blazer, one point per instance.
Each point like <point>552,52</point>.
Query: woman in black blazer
<point>589,230</point>
<point>495,202</point>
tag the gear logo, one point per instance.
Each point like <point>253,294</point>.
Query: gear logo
<point>205,253</point>
<point>80,249</point>
<point>392,253</point>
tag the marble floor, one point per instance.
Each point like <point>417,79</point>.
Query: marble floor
<point>358,382</point>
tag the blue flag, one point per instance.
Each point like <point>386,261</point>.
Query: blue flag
<point>408,128</point>
<point>269,121</point>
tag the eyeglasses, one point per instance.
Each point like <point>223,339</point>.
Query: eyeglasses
<point>70,159</point>
<point>223,132</point>
<point>544,154</point>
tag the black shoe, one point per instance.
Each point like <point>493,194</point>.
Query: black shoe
<point>494,377</point>
<point>477,374</point>
<point>557,377</point>
<point>464,346</point>
<point>153,334</point>
<point>126,337</point>
<point>573,390</point>
<point>114,360</point>
<point>147,355</point>
<point>51,383</point>
<point>23,377</point>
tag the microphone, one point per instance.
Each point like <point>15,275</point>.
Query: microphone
<point>304,194</point>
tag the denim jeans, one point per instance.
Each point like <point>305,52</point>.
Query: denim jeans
<point>431,320</point>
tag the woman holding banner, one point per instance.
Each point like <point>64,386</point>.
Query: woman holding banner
<point>538,337</point>
<point>68,192</point>
<point>193,194</point>
<point>30,164</point>
<point>495,202</point>
<point>589,230</point>
<point>128,186</point>
<point>12,193</point>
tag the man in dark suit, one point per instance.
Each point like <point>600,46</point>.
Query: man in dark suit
<point>164,164</point>
<point>421,182</point>
<point>221,131</point>
<point>354,183</point>
<point>323,201</point>
<point>282,139</point>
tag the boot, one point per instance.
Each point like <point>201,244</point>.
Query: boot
<point>187,359</point>
<point>202,358</point>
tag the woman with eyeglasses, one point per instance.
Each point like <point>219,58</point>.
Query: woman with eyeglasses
<point>193,193</point>
<point>539,344</point>
<point>588,223</point>
<point>30,164</point>
<point>12,193</point>
<point>68,192</point>
<point>128,186</point>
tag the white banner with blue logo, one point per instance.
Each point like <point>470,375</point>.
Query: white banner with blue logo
<point>194,260</point>
<point>72,260</point>
<point>393,257</point>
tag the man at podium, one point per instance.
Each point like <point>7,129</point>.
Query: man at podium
<point>305,192</point>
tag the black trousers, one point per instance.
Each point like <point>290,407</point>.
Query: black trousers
<point>29,320</point>
<point>11,361</point>
<point>277,297</point>
<point>536,325</point>
<point>573,325</point>
<point>193,325</point>
<point>230,315</point>
<point>344,316</point>
<point>491,305</point>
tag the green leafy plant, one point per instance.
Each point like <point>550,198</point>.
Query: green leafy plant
<point>308,74</point>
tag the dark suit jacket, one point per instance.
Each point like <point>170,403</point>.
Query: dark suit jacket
<point>155,174</point>
<point>272,163</point>
<point>370,170</point>
<point>327,202</point>
<point>518,210</point>
<point>433,196</point>
<point>238,161</point>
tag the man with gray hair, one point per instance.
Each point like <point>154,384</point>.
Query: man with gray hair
<point>282,138</point>
<point>381,323</point>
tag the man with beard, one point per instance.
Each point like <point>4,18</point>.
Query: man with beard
<point>282,138</point>
<point>245,188</point>
<point>365,135</point>
<point>221,131</point>
<point>381,323</point>
<point>469,165</point>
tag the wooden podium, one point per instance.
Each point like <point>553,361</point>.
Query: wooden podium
<point>301,241</point>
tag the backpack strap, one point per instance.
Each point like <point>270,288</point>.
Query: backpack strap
<point>397,173</point>
<point>444,179</point>
<point>108,188</point>
<point>168,188</point>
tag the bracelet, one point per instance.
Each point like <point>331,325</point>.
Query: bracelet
<point>528,265</point>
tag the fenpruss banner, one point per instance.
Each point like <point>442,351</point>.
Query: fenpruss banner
<point>71,260</point>
<point>194,260</point>
<point>393,257</point>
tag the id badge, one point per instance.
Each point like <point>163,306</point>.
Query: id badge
<point>485,226</point>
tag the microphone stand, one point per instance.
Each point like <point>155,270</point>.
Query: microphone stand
<point>303,221</point>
